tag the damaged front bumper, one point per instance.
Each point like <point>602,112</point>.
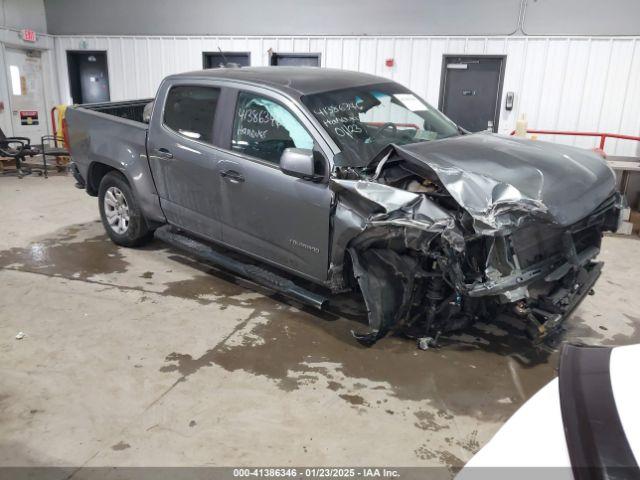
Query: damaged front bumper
<point>513,264</point>
<point>425,291</point>
<point>434,248</point>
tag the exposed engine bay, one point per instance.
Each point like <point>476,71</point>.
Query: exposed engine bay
<point>447,239</point>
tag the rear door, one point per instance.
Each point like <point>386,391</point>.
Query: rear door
<point>273,216</point>
<point>183,157</point>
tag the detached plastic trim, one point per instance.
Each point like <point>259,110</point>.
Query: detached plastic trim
<point>598,447</point>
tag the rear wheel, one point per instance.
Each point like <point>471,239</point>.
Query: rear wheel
<point>120,213</point>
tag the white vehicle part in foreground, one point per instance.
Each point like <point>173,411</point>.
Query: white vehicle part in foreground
<point>625,383</point>
<point>534,435</point>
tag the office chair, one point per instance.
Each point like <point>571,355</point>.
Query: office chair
<point>17,148</point>
<point>20,147</point>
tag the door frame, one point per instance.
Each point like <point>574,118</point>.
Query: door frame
<point>69,54</point>
<point>443,78</point>
<point>5,115</point>
<point>5,84</point>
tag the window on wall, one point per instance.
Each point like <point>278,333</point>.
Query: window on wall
<point>190,111</point>
<point>16,81</point>
<point>295,59</point>
<point>221,59</point>
<point>264,129</point>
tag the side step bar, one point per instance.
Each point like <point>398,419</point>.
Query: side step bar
<point>254,273</point>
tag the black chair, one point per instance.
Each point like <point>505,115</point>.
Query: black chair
<point>20,147</point>
<point>17,148</point>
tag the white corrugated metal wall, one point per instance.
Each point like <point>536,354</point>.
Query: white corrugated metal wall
<point>576,83</point>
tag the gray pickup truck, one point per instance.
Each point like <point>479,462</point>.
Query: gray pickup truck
<point>348,181</point>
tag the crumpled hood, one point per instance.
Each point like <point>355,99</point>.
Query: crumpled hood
<point>502,181</point>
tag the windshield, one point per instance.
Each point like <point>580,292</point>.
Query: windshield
<point>363,120</point>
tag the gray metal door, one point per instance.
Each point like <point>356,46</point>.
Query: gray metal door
<point>220,59</point>
<point>183,159</point>
<point>273,216</point>
<point>88,76</point>
<point>295,59</point>
<point>470,91</point>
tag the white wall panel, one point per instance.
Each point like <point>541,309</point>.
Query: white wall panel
<point>575,80</point>
<point>630,112</point>
<point>350,53</point>
<point>578,83</point>
<point>516,53</point>
<point>332,53</point>
<point>476,46</point>
<point>437,48</point>
<point>402,55</point>
<point>419,72</point>
<point>549,102</point>
<point>616,90</point>
<point>367,55</point>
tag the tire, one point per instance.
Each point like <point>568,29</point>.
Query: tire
<point>120,213</point>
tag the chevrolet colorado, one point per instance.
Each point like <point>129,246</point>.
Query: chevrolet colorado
<point>352,182</point>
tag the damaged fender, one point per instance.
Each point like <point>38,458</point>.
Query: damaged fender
<point>391,222</point>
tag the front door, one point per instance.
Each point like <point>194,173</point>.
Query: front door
<point>266,213</point>
<point>26,94</point>
<point>470,91</point>
<point>183,160</point>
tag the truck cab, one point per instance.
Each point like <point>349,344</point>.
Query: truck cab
<point>214,148</point>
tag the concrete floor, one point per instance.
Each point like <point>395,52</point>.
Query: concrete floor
<point>144,358</point>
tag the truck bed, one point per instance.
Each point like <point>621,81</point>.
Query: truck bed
<point>130,109</point>
<point>113,135</point>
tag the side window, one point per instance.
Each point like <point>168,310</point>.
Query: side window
<point>264,128</point>
<point>190,110</point>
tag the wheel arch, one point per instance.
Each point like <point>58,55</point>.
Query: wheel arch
<point>146,198</point>
<point>95,174</point>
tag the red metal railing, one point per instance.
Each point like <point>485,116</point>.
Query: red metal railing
<point>603,136</point>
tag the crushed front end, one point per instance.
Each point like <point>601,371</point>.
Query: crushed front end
<point>540,272</point>
<point>435,246</point>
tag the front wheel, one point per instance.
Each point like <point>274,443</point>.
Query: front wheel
<point>120,213</point>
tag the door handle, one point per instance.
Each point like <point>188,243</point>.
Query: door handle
<point>232,176</point>
<point>164,153</point>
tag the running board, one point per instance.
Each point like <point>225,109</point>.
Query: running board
<point>254,273</point>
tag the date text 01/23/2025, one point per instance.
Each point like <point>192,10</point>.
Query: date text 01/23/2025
<point>314,472</point>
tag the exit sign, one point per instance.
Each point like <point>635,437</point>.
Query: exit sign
<point>28,35</point>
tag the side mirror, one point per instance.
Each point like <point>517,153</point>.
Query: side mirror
<point>298,162</point>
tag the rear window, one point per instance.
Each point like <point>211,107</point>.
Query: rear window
<point>190,111</point>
